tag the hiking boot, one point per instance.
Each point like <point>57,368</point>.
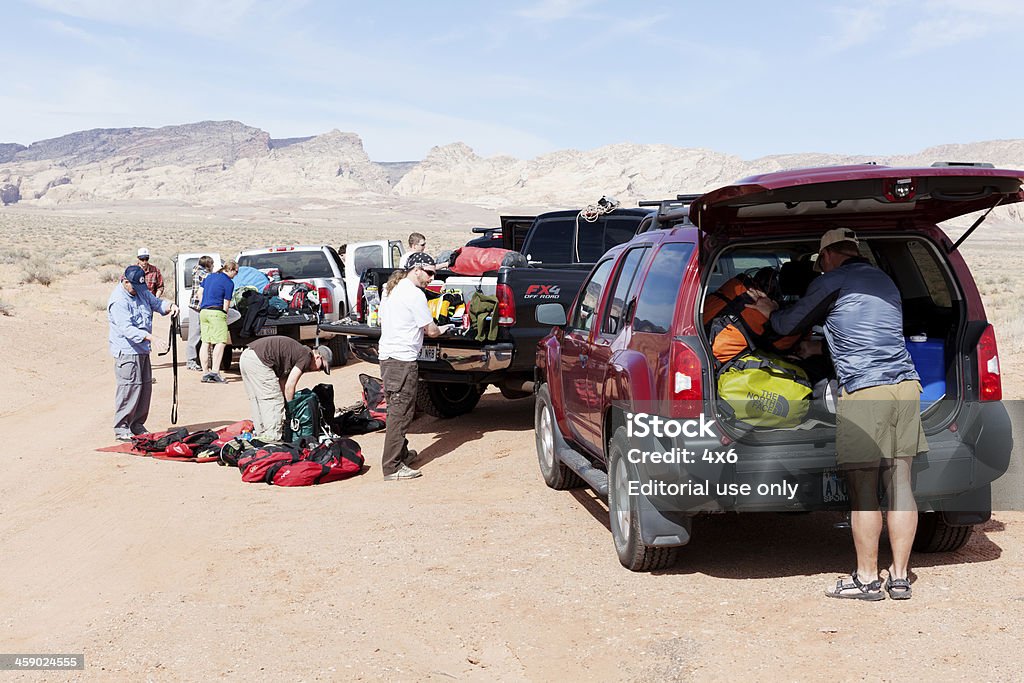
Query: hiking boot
<point>208,377</point>
<point>192,365</point>
<point>403,472</point>
<point>215,377</point>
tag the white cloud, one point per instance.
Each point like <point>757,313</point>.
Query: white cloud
<point>996,9</point>
<point>856,25</point>
<point>554,10</point>
<point>941,32</point>
<point>197,17</point>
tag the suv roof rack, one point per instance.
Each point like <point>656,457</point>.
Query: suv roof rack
<point>975,164</point>
<point>672,212</point>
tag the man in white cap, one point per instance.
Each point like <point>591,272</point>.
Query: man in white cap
<point>154,279</point>
<point>878,418</point>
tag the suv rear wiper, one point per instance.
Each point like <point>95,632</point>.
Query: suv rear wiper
<point>981,219</point>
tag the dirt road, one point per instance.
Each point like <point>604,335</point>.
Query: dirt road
<point>169,571</point>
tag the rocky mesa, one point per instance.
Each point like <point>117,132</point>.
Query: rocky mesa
<point>227,162</point>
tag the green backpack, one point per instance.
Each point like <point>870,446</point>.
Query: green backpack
<point>763,390</point>
<point>302,417</point>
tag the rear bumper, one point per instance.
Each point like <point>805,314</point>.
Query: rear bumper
<point>804,476</point>
<point>450,357</point>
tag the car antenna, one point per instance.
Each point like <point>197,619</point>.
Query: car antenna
<point>981,219</point>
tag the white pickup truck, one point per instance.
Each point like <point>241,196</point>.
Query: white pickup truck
<point>318,265</point>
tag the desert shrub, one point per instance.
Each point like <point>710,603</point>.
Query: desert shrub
<point>41,271</point>
<point>95,305</point>
<point>111,275</point>
<point>13,256</point>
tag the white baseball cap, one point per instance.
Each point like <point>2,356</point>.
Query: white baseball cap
<point>143,252</point>
<point>834,236</point>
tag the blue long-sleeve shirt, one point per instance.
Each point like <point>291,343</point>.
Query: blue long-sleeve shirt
<point>131,319</point>
<point>863,320</point>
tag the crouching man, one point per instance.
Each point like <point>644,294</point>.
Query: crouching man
<point>130,317</point>
<point>271,368</point>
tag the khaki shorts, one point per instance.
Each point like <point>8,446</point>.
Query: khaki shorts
<point>879,422</point>
<point>213,326</point>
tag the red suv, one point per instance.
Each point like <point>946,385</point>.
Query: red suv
<point>627,397</point>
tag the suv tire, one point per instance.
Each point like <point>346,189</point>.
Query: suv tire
<point>447,399</point>
<point>624,516</point>
<point>555,472</point>
<point>935,536</point>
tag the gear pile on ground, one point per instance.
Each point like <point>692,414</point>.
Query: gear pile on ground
<point>294,464</point>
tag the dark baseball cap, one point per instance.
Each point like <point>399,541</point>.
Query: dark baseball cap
<point>135,275</point>
<point>422,260</point>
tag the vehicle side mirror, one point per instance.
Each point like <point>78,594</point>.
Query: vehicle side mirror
<point>551,314</point>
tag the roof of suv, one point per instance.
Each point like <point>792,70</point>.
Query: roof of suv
<point>932,194</point>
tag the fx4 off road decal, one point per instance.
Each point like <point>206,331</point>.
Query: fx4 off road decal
<point>542,292</point>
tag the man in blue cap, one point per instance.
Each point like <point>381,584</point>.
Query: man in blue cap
<point>130,314</point>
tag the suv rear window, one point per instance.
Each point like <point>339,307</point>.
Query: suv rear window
<point>657,301</point>
<point>932,274</point>
<point>293,265</point>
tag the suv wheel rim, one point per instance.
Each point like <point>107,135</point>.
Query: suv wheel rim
<point>547,439</point>
<point>622,517</point>
<point>457,394</point>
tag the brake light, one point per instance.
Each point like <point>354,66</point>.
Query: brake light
<point>685,395</point>
<point>326,304</point>
<point>506,309</point>
<point>273,249</point>
<point>360,303</point>
<point>990,384</point>
<point>901,190</point>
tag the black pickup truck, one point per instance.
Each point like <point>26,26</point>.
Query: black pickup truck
<point>561,248</point>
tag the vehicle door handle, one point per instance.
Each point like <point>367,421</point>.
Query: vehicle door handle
<point>583,360</point>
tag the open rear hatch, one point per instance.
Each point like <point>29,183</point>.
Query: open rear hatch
<point>806,199</point>
<point>789,208</point>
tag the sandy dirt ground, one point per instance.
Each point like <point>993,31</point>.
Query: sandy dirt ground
<point>171,571</point>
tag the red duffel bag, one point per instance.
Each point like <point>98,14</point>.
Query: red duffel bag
<point>302,473</point>
<point>265,464</point>
<point>480,260</point>
<point>340,459</point>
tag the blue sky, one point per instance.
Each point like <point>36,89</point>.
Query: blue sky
<point>524,78</point>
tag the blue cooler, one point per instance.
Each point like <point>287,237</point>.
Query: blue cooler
<point>929,356</point>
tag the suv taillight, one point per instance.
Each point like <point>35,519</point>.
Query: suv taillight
<point>685,393</point>
<point>990,385</point>
<point>326,304</point>
<point>506,309</point>
<point>360,304</point>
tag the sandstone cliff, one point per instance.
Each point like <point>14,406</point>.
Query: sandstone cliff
<point>227,162</point>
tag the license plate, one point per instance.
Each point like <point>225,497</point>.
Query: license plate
<point>266,331</point>
<point>428,353</point>
<point>833,487</point>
